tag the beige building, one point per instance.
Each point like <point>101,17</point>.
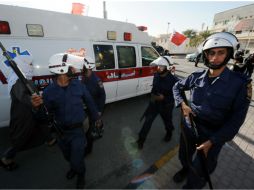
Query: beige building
<point>239,21</point>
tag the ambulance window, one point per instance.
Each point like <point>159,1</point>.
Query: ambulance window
<point>126,56</point>
<point>148,55</point>
<point>104,57</point>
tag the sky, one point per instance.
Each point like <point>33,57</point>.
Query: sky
<point>160,17</point>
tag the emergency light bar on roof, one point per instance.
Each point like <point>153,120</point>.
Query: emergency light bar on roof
<point>111,35</point>
<point>35,30</point>
<point>127,36</point>
<point>142,28</point>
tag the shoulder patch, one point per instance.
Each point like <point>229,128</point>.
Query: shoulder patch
<point>249,91</point>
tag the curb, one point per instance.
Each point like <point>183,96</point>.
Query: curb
<point>140,179</point>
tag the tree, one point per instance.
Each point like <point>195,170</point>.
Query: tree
<point>196,38</point>
<point>205,34</point>
<point>196,41</point>
<point>190,33</point>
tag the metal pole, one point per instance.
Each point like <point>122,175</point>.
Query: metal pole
<point>202,26</point>
<point>167,38</point>
<point>168,28</point>
<point>105,16</point>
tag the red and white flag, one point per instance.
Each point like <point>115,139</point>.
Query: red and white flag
<point>77,8</point>
<point>177,38</point>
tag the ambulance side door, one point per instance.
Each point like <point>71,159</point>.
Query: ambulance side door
<point>105,62</point>
<point>127,75</point>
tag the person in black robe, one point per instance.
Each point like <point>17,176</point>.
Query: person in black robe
<point>25,131</point>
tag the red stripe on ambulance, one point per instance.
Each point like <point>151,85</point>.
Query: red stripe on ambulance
<point>125,74</point>
<point>3,78</point>
<point>106,75</point>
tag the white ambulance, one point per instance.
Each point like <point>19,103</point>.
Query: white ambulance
<point>122,52</point>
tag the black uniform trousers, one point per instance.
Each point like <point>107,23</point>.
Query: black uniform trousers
<point>72,145</point>
<point>191,161</point>
<point>150,114</point>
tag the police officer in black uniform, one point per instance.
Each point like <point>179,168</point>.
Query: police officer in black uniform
<point>95,86</point>
<point>198,58</point>
<point>219,101</point>
<point>64,98</point>
<point>243,65</point>
<point>162,101</point>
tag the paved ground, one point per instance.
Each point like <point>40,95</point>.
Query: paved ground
<point>114,161</point>
<point>235,168</point>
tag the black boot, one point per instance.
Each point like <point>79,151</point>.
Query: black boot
<point>168,136</point>
<point>90,139</point>
<point>180,175</point>
<point>80,181</point>
<point>70,174</point>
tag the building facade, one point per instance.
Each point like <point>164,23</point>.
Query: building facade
<point>164,41</point>
<point>239,21</point>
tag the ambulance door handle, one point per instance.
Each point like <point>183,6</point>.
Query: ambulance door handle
<point>119,74</point>
<point>140,72</point>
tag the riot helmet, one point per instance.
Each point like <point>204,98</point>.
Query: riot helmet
<point>89,63</point>
<point>60,63</point>
<point>163,61</point>
<point>220,40</point>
